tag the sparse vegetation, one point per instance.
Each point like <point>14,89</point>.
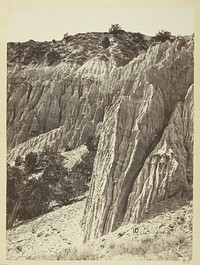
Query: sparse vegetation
<point>52,56</point>
<point>149,247</point>
<point>66,35</point>
<point>163,36</point>
<point>39,179</point>
<point>105,42</point>
<point>18,160</point>
<point>31,160</point>
<point>84,45</point>
<point>155,247</point>
<point>28,195</point>
<point>115,29</point>
<point>92,143</point>
<point>84,253</point>
<point>15,189</point>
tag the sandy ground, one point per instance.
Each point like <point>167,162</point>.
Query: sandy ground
<point>47,235</point>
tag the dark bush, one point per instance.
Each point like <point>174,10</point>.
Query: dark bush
<point>31,162</point>
<point>52,57</point>
<point>81,173</point>
<point>18,160</point>
<point>116,29</point>
<point>163,36</point>
<point>92,143</point>
<point>67,37</point>
<point>30,195</point>
<point>105,42</point>
<point>15,190</point>
<point>35,200</point>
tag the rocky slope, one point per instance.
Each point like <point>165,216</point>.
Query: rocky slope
<point>45,239</point>
<point>136,95</point>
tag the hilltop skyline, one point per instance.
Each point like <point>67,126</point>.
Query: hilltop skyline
<point>47,23</point>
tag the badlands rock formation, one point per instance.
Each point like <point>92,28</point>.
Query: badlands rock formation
<point>136,95</point>
<point>142,155</point>
<point>69,91</point>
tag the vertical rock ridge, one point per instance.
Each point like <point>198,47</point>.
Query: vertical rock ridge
<point>128,130</point>
<point>163,173</point>
<point>150,96</point>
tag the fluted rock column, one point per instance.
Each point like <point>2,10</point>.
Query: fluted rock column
<point>137,125</point>
<point>123,146</point>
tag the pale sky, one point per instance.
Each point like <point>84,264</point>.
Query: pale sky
<point>47,23</point>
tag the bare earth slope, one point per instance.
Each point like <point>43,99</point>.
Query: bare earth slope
<point>169,237</point>
<point>45,237</point>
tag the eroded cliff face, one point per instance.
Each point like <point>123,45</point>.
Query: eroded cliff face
<point>146,140</point>
<point>64,83</point>
<point>142,110</point>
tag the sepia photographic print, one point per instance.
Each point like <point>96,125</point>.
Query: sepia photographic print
<point>99,131</point>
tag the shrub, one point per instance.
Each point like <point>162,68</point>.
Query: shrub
<point>128,247</point>
<point>31,162</point>
<point>162,247</point>
<point>30,195</point>
<point>176,238</point>
<point>67,37</point>
<point>105,42</point>
<point>116,29</point>
<point>18,160</point>
<point>81,173</point>
<point>59,183</point>
<point>92,143</point>
<point>35,199</point>
<point>15,190</point>
<point>84,253</point>
<point>163,36</point>
<point>52,56</point>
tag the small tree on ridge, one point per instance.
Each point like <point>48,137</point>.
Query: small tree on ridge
<point>115,29</point>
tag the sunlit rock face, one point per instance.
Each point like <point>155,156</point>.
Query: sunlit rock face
<point>139,105</point>
<point>146,140</point>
